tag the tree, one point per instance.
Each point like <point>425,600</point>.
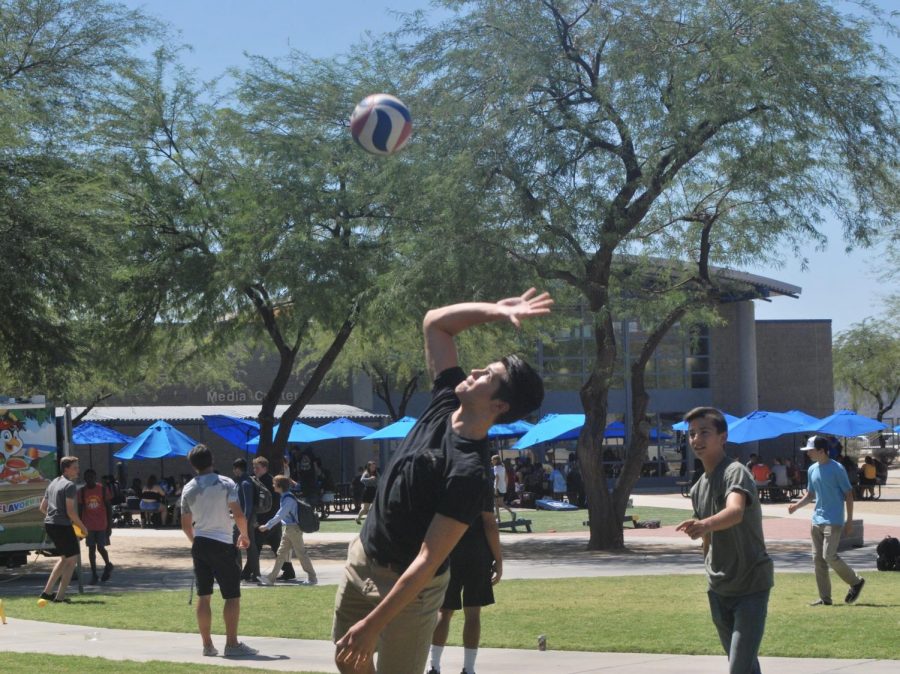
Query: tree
<point>597,127</point>
<point>57,222</point>
<point>255,216</point>
<point>865,362</point>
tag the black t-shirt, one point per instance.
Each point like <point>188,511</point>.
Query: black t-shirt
<point>475,532</point>
<point>434,471</point>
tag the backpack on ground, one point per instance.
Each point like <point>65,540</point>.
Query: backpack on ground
<point>306,516</point>
<point>262,497</point>
<point>888,552</point>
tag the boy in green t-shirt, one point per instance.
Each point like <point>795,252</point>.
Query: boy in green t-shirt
<point>727,516</point>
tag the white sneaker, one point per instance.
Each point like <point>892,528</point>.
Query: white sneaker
<point>240,651</point>
<point>266,581</point>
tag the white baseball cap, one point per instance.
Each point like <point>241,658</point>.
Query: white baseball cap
<point>815,442</point>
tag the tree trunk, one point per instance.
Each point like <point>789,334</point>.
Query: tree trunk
<point>315,380</point>
<point>605,518</point>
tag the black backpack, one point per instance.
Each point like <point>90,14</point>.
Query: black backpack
<point>262,497</point>
<point>888,554</point>
<point>306,516</point>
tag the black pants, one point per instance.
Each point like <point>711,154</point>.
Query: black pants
<point>251,567</point>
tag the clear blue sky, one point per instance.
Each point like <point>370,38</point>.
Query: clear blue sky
<point>837,285</point>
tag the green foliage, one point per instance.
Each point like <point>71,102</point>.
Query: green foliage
<point>58,221</point>
<point>865,362</point>
<point>604,142</point>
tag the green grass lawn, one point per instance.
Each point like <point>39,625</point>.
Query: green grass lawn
<point>28,663</point>
<point>547,520</point>
<point>646,614</point>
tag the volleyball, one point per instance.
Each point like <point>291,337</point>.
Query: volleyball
<point>381,124</point>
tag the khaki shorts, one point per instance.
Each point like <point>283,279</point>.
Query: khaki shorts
<point>403,645</point>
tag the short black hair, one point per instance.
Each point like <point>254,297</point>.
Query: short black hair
<point>711,413</point>
<point>522,389</point>
<point>200,457</point>
<point>240,463</point>
<point>821,443</point>
<point>90,471</point>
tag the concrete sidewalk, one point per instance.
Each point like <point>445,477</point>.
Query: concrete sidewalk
<point>25,636</point>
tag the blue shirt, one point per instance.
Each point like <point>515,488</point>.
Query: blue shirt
<point>830,484</point>
<point>287,512</point>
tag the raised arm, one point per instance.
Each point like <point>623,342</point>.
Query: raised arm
<point>442,325</point>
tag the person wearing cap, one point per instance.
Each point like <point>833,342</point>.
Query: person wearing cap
<point>728,518</point>
<point>830,487</point>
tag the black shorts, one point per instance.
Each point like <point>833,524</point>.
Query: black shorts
<point>470,576</point>
<point>214,560</point>
<point>64,540</point>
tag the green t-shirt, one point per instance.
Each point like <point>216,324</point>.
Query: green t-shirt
<point>737,562</point>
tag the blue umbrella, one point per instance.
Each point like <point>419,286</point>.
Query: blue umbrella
<point>617,430</point>
<point>897,428</point>
<point>801,417</point>
<point>90,433</point>
<point>845,423</point>
<point>568,427</point>
<point>683,425</point>
<point>395,431</point>
<point>300,432</point>
<point>513,430</point>
<point>760,425</point>
<point>345,428</point>
<point>551,427</point>
<point>234,429</point>
<point>159,441</point>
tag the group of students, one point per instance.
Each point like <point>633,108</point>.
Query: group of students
<point>430,544</point>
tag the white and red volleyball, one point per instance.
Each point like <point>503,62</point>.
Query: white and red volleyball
<point>381,124</point>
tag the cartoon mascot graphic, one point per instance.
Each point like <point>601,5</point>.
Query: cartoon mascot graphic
<point>15,463</point>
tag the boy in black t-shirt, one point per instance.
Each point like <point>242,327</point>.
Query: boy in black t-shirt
<point>429,494</point>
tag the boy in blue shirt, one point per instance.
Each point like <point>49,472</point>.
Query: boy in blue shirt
<point>830,487</point>
<point>291,534</point>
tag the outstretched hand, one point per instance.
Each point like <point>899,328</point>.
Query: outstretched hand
<point>527,305</point>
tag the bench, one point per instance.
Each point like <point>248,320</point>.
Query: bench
<point>512,524</point>
<point>864,493</point>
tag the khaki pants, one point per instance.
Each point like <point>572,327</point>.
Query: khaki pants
<point>292,539</point>
<point>403,645</point>
<point>825,539</point>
